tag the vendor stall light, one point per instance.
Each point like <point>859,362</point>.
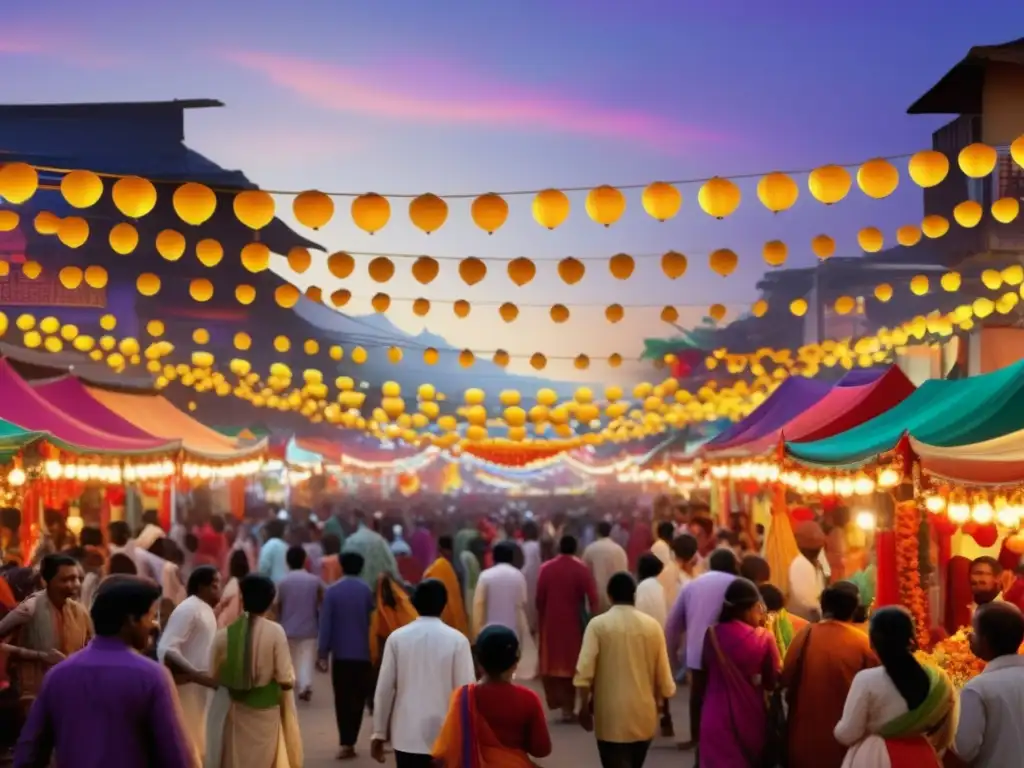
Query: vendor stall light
<point>866,520</point>
<point>935,504</point>
<point>888,478</point>
<point>75,523</point>
<point>863,485</point>
<point>53,469</point>
<point>826,486</point>
<point>16,477</point>
<point>981,511</point>
<point>958,511</point>
<point>719,471</point>
<point>844,487</point>
<point>70,472</point>
<point>1007,514</point>
<point>809,485</point>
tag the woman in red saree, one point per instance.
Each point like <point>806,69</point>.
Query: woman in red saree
<point>901,714</point>
<point>494,723</point>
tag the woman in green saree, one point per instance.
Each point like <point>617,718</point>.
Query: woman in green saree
<point>901,714</point>
<point>252,662</point>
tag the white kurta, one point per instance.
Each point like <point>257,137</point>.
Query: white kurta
<point>190,633</point>
<point>873,701</point>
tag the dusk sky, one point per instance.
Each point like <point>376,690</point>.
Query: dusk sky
<point>469,97</point>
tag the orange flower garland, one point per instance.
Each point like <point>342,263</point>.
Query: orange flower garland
<point>953,656</point>
<point>908,572</point>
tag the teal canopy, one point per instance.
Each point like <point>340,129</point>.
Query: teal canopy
<point>13,438</point>
<point>944,413</point>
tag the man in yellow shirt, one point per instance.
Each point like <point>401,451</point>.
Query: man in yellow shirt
<point>622,673</point>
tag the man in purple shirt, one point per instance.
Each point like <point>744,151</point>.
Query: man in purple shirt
<point>108,706</point>
<point>345,638</point>
<point>298,602</point>
<point>696,610</point>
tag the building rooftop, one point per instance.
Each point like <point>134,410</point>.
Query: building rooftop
<point>960,89</point>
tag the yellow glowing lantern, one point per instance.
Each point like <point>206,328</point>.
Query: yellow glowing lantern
<point>96,276</point>
<point>46,223</point>
<point>829,184</point>
<point>928,168</point>
<point>777,192</point>
<point>919,285</point>
<point>521,271</point>
<point>340,264</point>
<point>614,360</point>
<point>823,246</point>
<point>245,294</point>
<point>613,313</point>
<point>559,313</point>
<point>1013,274</point>
<point>282,344</point>
<point>571,270</point>
<point>673,265</point>
<point>983,307</point>
<point>31,269</point>
<point>200,289</point>
<point>723,262</point>
<point>134,196</point>
<point>605,205</point>
<point>461,308</point>
<point>719,197</point>
<point>760,308</point>
<point>108,323</point>
<point>255,257</point>
<point>878,178</point>
<point>371,212</point>
<point>381,269</point>
<point>155,328</point>
<point>550,208</point>
<point>194,203</point>
<point>254,208</point>
<point>717,312</point>
<point>242,341</point>
<point>421,307</point>
<point>845,305</point>
<point>669,315</point>
<point>18,182</point>
<point>286,295</point>
<point>32,339</point>
<point>489,212</point>
<point>431,356</point>
<point>908,235</point>
<point>621,265</point>
<point>380,302</point>
<point>466,358</point>
<point>68,332</point>
<point>428,212</point>
<point>992,279</point>
<point>508,311</point>
<point>661,200</point>
<point>313,208</point>
<point>9,221</point>
<point>538,361</point>
<point>1005,209</point>
<point>123,238</point>
<point>775,253</point>
<point>82,189</point>
<point>70,277</point>
<point>968,214</point>
<point>934,226</point>
<point>209,252</point>
<point>73,231</point>
<point>950,282</point>
<point>341,297</point>
<point>977,160</point>
<point>425,270</point>
<point>798,307</point>
<point>472,270</point>
<point>53,344</point>
<point>870,239</point>
<point>170,244</point>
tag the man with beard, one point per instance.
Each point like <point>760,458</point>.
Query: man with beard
<point>986,582</point>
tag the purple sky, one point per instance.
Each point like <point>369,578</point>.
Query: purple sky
<point>456,97</point>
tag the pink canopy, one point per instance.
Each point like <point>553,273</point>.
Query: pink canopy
<point>841,409</point>
<point>22,405</point>
<point>69,395</point>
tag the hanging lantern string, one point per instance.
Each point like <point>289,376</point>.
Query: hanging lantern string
<point>472,195</point>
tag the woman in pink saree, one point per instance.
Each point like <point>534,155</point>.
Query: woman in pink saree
<point>742,662</point>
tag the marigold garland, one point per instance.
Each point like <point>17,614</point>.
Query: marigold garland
<point>953,656</point>
<point>908,572</point>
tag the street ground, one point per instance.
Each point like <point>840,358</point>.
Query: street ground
<point>572,745</point>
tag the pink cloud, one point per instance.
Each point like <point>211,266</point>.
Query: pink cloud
<point>430,92</point>
<point>55,44</point>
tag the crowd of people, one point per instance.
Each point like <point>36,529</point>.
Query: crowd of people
<point>195,646</point>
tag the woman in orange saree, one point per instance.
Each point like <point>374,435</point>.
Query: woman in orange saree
<point>494,723</point>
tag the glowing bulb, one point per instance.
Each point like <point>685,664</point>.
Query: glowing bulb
<point>53,469</point>
<point>863,485</point>
<point>866,520</point>
<point>982,512</point>
<point>844,487</point>
<point>958,512</point>
<point>16,477</point>
<point>935,504</point>
<point>826,486</point>
<point>888,478</point>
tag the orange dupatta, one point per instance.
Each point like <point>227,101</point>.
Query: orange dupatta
<point>454,614</point>
<point>394,611</point>
<point>467,741</point>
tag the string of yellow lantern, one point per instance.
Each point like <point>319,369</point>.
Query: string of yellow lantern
<point>196,203</point>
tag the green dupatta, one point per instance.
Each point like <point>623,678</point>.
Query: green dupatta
<point>236,671</point>
<point>927,717</point>
<point>782,629</point>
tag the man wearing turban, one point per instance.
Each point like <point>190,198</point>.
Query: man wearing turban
<point>806,575</point>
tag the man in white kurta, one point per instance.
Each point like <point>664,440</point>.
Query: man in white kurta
<point>605,558</point>
<point>186,648</point>
<point>501,592</point>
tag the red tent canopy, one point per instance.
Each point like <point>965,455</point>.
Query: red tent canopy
<point>841,409</point>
